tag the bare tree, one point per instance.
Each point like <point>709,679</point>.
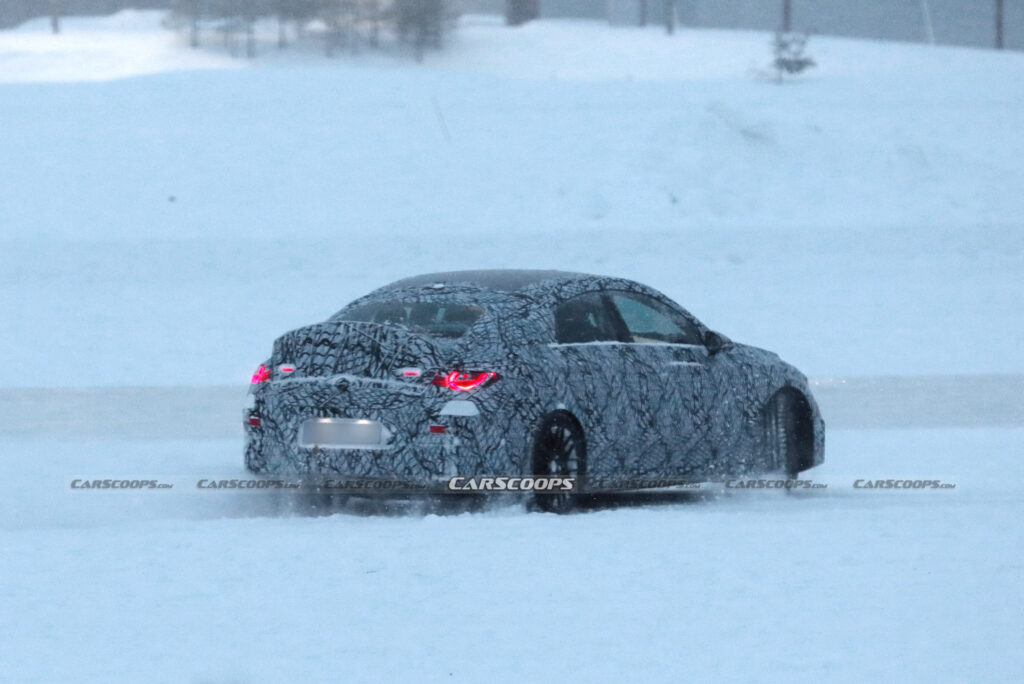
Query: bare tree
<point>521,11</point>
<point>300,12</point>
<point>670,16</point>
<point>249,19</point>
<point>282,39</point>
<point>55,12</point>
<point>343,23</point>
<point>193,31</point>
<point>999,24</point>
<point>420,22</point>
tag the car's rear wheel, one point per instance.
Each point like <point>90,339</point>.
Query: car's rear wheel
<point>781,435</point>
<point>559,450</point>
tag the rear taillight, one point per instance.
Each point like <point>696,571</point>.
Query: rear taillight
<point>262,373</point>
<point>464,381</point>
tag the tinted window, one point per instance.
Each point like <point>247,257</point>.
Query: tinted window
<point>439,319</point>
<point>584,319</point>
<point>650,321</point>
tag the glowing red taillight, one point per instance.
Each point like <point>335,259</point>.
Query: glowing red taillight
<point>464,381</point>
<point>262,373</point>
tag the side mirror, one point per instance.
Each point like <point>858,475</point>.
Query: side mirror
<point>715,342</point>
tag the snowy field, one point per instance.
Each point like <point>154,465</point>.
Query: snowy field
<point>839,584</point>
<point>166,212</point>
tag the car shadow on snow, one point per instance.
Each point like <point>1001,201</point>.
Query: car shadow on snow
<point>640,499</point>
<point>313,504</point>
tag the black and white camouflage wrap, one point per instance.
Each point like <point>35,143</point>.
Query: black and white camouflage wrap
<point>647,411</point>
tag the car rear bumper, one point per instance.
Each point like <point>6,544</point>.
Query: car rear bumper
<point>306,430</point>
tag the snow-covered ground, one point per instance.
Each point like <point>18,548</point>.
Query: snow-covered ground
<point>840,584</point>
<point>165,212</point>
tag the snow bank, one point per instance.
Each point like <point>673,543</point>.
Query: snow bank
<point>125,44</point>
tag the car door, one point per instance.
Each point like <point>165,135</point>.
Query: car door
<point>668,348</point>
<point>594,385</point>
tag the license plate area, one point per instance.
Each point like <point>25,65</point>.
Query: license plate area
<point>341,433</point>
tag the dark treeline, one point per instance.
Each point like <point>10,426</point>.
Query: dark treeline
<point>340,24</point>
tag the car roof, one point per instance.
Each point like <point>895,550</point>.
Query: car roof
<point>507,280</point>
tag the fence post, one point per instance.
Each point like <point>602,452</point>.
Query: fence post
<point>55,16</point>
<point>926,15</point>
<point>999,24</point>
<point>193,29</point>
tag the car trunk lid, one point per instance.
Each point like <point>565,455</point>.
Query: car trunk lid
<point>369,350</point>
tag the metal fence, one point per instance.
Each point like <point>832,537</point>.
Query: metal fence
<point>950,22</point>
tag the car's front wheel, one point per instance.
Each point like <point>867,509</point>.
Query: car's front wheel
<point>559,451</point>
<point>780,432</point>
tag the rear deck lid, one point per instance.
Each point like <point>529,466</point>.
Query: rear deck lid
<point>371,350</point>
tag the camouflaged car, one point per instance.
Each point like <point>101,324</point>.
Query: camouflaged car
<point>509,376</point>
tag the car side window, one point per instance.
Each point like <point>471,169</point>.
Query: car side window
<point>584,319</point>
<point>649,321</point>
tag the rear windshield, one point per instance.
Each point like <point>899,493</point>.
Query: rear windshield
<point>438,319</point>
